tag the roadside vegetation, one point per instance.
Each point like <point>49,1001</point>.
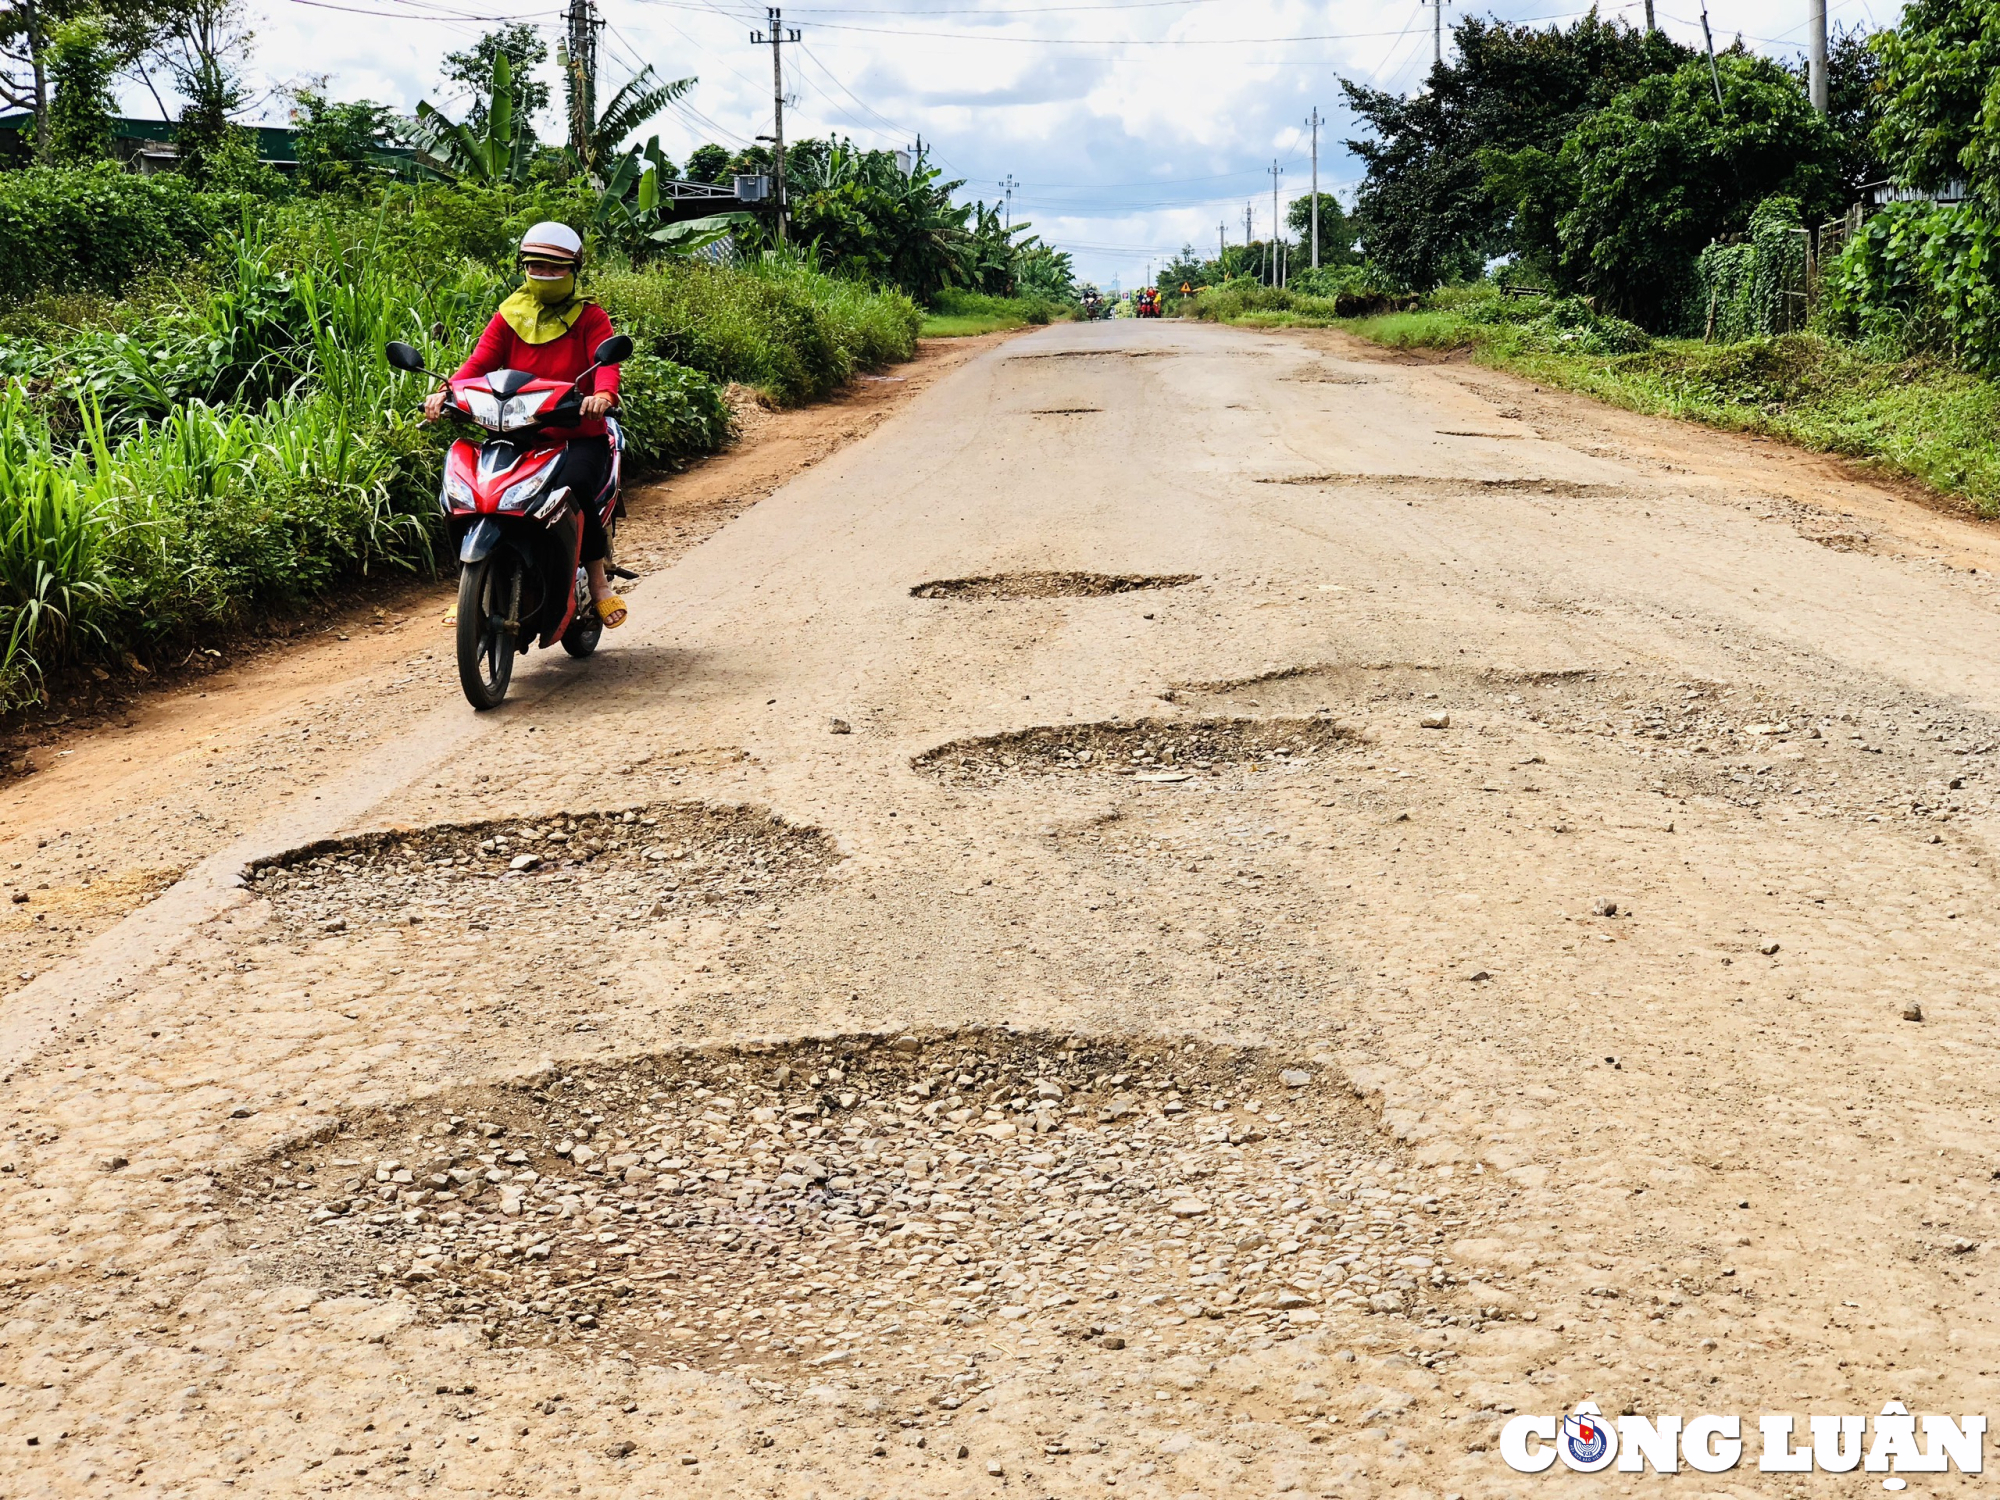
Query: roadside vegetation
<point>960,314</point>
<point>1597,208</point>
<point>1915,414</point>
<point>197,426</point>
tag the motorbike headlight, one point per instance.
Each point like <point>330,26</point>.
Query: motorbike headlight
<point>516,496</point>
<point>520,411</point>
<point>457,493</point>
<point>485,408</point>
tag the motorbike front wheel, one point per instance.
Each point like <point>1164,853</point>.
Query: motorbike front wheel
<point>489,598</point>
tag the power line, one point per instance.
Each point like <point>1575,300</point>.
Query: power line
<point>443,16</point>
<point>983,10</point>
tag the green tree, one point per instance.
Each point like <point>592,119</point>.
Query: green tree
<point>1854,101</point>
<point>1940,90</point>
<point>205,49</point>
<point>708,163</point>
<point>80,67</point>
<point>1645,183</point>
<point>1427,210</point>
<point>340,146</point>
<point>1337,233</point>
<point>472,71</point>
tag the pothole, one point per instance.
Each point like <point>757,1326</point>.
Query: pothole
<point>859,1200</point>
<point>1145,749</point>
<point>1432,484</point>
<point>637,862</point>
<point>1049,585</point>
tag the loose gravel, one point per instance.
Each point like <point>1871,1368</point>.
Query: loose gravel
<point>856,1200</point>
<point>637,863</point>
<point>1049,585</point>
<point>1146,749</point>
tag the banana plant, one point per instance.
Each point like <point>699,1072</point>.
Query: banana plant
<point>629,206</point>
<point>499,157</point>
<point>593,143</point>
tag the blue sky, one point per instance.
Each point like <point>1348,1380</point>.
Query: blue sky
<point>1131,126</point>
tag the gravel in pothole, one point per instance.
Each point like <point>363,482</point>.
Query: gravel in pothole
<point>1146,749</point>
<point>858,1199</point>
<point>634,863</point>
<point>1049,585</point>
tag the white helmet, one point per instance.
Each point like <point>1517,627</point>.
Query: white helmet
<point>552,241</point>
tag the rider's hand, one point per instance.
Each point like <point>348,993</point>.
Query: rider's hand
<point>597,404</point>
<point>434,405</point>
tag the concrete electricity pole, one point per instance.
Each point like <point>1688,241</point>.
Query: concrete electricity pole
<point>1314,122</point>
<point>1708,37</point>
<point>581,26</point>
<point>1651,26</point>
<point>1816,53</point>
<point>776,39</point>
<point>1437,30</point>
<point>1271,255</point>
<point>1007,186</point>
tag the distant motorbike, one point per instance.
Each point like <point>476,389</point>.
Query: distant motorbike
<point>517,528</point>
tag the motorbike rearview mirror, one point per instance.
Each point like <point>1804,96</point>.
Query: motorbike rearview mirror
<point>405,357</point>
<point>614,350</point>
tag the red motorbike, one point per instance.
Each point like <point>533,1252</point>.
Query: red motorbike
<point>517,528</point>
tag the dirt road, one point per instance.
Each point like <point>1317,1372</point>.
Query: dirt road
<point>1200,913</point>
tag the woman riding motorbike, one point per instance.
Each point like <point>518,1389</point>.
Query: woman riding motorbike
<point>548,329</point>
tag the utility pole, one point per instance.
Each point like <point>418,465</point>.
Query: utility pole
<point>581,26</point>
<point>1437,30</point>
<point>776,39</point>
<point>1009,184</point>
<point>1271,256</point>
<point>1816,53</point>
<point>1314,122</point>
<point>1714,77</point>
<point>1651,26</point>
<point>1221,243</point>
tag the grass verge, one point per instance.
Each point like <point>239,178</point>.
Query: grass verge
<point>1913,416</point>
<point>960,314</point>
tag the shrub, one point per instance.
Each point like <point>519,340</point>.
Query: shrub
<point>1664,171</point>
<point>669,412</point>
<point>1920,277</point>
<point>1755,286</point>
<point>97,228</point>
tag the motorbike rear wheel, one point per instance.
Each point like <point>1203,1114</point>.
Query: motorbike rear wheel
<point>489,595</point>
<point>586,628</point>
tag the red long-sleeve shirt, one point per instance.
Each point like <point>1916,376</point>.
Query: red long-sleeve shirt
<point>500,348</point>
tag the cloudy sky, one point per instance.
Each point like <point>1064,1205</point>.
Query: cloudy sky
<point>1131,126</point>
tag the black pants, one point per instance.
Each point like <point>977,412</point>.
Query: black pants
<point>585,463</point>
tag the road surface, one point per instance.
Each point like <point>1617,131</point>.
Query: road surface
<point>1200,912</point>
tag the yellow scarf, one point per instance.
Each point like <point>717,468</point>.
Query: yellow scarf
<point>539,322</point>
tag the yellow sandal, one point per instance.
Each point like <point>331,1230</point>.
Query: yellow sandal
<point>611,610</point>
